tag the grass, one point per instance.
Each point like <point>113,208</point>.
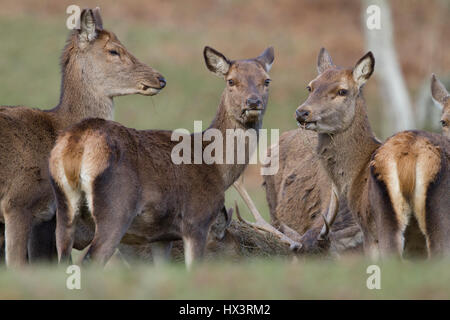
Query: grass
<point>252,279</point>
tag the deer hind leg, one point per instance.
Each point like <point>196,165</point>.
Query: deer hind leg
<point>113,203</point>
<point>195,235</point>
<point>438,222</point>
<point>68,202</point>
<point>161,251</point>
<point>18,222</point>
<point>391,211</point>
<point>432,213</point>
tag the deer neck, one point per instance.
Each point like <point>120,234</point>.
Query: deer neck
<point>80,98</point>
<point>346,155</point>
<point>224,121</point>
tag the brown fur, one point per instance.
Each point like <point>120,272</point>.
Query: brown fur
<point>407,150</point>
<point>142,195</point>
<point>423,156</point>
<point>71,158</point>
<point>376,192</point>
<point>90,79</point>
<point>239,242</point>
<point>299,192</point>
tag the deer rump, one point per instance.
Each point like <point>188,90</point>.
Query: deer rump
<point>410,179</point>
<point>299,193</point>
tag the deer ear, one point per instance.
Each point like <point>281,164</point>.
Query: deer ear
<point>324,61</point>
<point>364,69</point>
<point>438,91</point>
<point>266,58</point>
<point>98,19</point>
<point>90,23</point>
<point>216,62</point>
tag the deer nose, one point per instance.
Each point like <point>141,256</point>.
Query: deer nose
<point>253,102</point>
<point>162,82</point>
<point>301,114</point>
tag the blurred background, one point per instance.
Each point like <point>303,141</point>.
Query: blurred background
<point>412,43</point>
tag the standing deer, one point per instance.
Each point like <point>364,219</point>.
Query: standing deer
<point>130,183</point>
<point>385,185</point>
<point>95,68</point>
<point>442,97</point>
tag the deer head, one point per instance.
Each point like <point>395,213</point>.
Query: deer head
<point>104,63</point>
<point>248,82</point>
<point>331,105</point>
<point>442,98</point>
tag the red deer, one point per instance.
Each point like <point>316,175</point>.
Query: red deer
<point>132,187</point>
<point>385,185</point>
<point>240,239</point>
<point>442,97</point>
<point>298,194</point>
<point>95,68</point>
<point>228,238</point>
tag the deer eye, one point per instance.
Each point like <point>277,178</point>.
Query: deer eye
<point>231,82</point>
<point>309,88</point>
<point>114,52</point>
<point>443,123</point>
<point>267,82</point>
<point>342,92</point>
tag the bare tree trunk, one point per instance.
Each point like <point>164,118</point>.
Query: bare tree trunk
<point>394,94</point>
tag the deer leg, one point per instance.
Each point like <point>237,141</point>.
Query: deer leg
<point>161,251</point>
<point>390,224</point>
<point>114,208</point>
<point>42,244</point>
<point>111,226</point>
<point>17,230</point>
<point>437,220</point>
<point>194,240</point>
<point>67,211</point>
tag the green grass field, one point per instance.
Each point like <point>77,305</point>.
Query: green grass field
<point>253,279</point>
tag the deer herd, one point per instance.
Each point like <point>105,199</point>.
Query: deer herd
<point>70,177</point>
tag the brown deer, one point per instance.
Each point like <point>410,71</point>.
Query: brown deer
<point>227,239</point>
<point>385,185</point>
<point>239,239</point>
<point>95,68</point>
<point>131,185</point>
<point>298,195</point>
<point>442,98</point>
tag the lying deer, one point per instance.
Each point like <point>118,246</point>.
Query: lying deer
<point>298,195</point>
<point>442,98</point>
<point>385,185</point>
<point>227,239</point>
<point>96,67</point>
<point>130,183</point>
